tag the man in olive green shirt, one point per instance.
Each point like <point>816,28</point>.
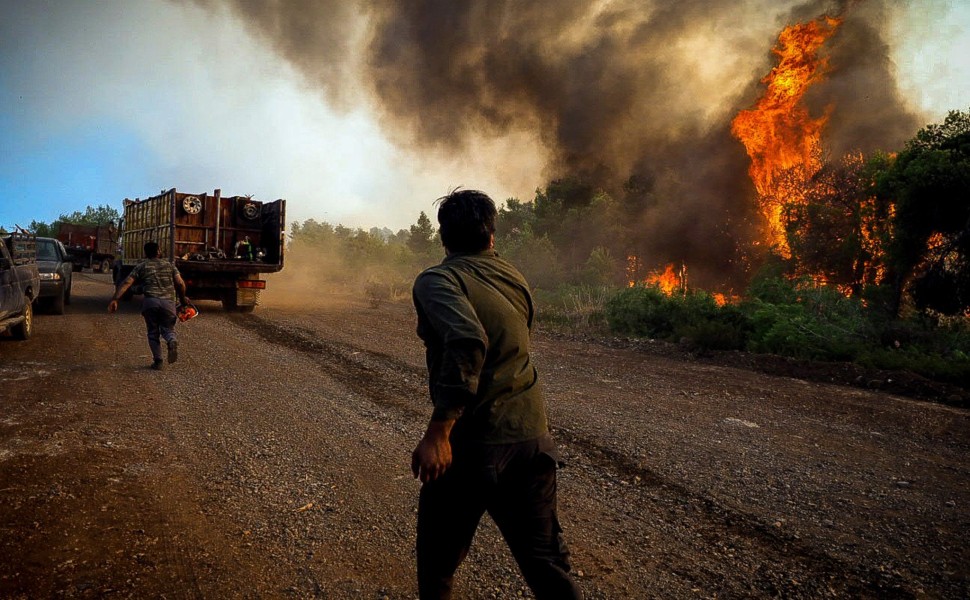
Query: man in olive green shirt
<point>487,446</point>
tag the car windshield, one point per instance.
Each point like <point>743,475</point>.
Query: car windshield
<point>46,250</point>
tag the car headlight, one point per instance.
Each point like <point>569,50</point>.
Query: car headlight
<point>50,276</point>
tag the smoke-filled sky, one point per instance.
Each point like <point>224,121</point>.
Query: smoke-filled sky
<point>364,112</point>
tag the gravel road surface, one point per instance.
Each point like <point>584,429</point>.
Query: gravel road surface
<point>272,461</point>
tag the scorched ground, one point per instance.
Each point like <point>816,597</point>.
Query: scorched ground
<point>272,462</point>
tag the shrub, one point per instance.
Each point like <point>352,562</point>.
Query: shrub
<point>728,329</point>
<point>574,307</point>
<point>818,327</point>
<point>639,311</point>
<point>646,311</point>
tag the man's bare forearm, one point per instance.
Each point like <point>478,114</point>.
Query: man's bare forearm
<point>122,288</point>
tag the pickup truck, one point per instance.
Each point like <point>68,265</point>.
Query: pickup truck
<point>19,284</point>
<point>56,274</point>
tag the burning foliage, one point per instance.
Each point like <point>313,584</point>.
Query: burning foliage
<point>779,134</point>
<point>678,147</point>
<point>617,94</point>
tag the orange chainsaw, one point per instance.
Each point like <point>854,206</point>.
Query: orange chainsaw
<point>186,310</point>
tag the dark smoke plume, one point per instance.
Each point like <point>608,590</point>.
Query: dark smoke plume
<point>612,90</point>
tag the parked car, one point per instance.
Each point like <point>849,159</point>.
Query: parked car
<point>56,271</point>
<point>19,284</point>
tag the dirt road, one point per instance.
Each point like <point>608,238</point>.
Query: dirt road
<point>272,461</point>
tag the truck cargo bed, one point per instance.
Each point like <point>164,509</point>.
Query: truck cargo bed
<point>220,245</point>
<point>208,229</point>
<point>224,266</point>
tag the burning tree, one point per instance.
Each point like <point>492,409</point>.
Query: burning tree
<point>781,137</point>
<point>836,228</point>
<point>929,185</point>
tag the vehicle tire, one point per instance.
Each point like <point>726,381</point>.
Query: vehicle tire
<point>23,331</point>
<point>57,304</point>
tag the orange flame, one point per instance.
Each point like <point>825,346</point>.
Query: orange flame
<point>778,133</point>
<point>633,266</point>
<point>668,281</point>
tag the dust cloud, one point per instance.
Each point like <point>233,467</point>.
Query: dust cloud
<point>613,91</point>
<point>319,275</point>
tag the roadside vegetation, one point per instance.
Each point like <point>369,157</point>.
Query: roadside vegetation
<point>876,269</point>
<point>92,215</point>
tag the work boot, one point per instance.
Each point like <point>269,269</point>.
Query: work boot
<point>158,364</point>
<point>173,351</point>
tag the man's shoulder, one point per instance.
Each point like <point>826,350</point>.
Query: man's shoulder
<point>434,277</point>
<point>153,265</point>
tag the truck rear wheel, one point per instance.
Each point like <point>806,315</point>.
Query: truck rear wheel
<point>25,329</point>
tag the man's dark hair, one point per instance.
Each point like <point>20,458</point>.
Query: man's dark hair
<point>151,249</point>
<point>467,220</point>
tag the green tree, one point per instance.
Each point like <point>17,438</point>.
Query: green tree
<point>92,215</point>
<point>423,239</point>
<point>559,210</point>
<point>929,184</point>
<point>41,229</point>
<point>515,219</point>
<point>601,268</point>
<point>538,260</point>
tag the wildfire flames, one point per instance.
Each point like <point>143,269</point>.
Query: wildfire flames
<point>783,141</point>
<point>780,137</point>
<point>779,134</point>
<point>668,281</point>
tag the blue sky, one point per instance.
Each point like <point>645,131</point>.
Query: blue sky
<point>106,99</point>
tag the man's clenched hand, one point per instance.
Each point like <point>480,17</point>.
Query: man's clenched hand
<point>432,456</point>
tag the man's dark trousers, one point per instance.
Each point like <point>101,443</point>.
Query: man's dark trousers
<point>516,485</point>
<point>160,319</point>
